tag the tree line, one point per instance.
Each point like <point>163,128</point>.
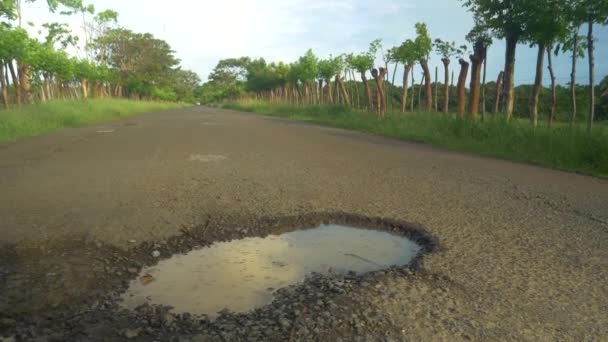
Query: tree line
<point>363,80</point>
<point>112,61</point>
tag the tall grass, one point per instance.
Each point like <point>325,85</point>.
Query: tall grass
<point>38,119</point>
<point>561,147</point>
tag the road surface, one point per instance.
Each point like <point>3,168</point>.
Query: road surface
<point>523,250</point>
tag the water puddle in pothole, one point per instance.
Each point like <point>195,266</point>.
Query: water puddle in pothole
<point>241,275</point>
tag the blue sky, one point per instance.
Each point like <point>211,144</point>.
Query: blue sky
<point>204,31</point>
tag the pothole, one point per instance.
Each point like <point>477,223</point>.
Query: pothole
<point>242,275</point>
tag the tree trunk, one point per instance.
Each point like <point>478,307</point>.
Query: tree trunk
<point>356,86</point>
<point>47,87</point>
<point>436,89</point>
<point>378,96</point>
<point>538,80</point>
<point>385,81</point>
<point>406,76</point>
<point>60,87</point>
<point>427,85</point>
<point>3,85</point>
<point>591,76</point>
<point>330,94</point>
<point>498,91</point>
<point>338,98</point>
<point>73,92</point>
<point>413,94</point>
<point>509,93</point>
<point>16,85</point>
<point>8,82</point>
<point>368,93</point>
<point>84,84</point>
<point>24,82</point>
<point>393,84</point>
<point>452,83</point>
<point>42,94</point>
<point>420,92</point>
<point>379,77</point>
<point>446,86</point>
<point>483,87</point>
<point>476,62</point>
<point>343,90</point>
<point>553,86</point>
<point>321,99</point>
<point>573,78</point>
<point>462,78</point>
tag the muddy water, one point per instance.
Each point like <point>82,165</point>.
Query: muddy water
<point>242,274</point>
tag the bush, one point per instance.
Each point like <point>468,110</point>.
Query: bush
<point>164,94</point>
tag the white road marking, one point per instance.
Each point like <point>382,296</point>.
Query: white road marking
<point>206,158</point>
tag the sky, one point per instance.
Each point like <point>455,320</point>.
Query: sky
<point>203,31</point>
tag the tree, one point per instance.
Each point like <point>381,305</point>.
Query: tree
<point>406,54</point>
<point>307,72</point>
<point>462,78</point>
<point>362,63</point>
<point>379,78</point>
<point>446,50</point>
<point>499,81</point>
<point>230,71</point>
<point>508,20</point>
<point>424,46</point>
<point>547,24</point>
<point>481,39</point>
<point>99,27</point>
<point>15,45</point>
<point>141,60</point>
<point>391,57</point>
<point>183,83</point>
<point>328,69</point>
<point>574,43</point>
<point>597,12</point>
<point>42,70</point>
<point>8,9</point>
<point>602,106</point>
<point>341,64</point>
<point>78,7</point>
<point>553,86</point>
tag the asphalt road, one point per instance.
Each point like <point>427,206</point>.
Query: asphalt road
<point>525,248</point>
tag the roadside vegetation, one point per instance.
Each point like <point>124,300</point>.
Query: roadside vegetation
<point>562,147</point>
<point>552,124</point>
<point>37,119</point>
<point>113,62</point>
<point>43,88</point>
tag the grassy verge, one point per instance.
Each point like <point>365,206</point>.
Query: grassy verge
<point>38,119</point>
<point>561,147</point>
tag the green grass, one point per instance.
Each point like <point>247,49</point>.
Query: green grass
<point>561,147</point>
<point>37,119</point>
